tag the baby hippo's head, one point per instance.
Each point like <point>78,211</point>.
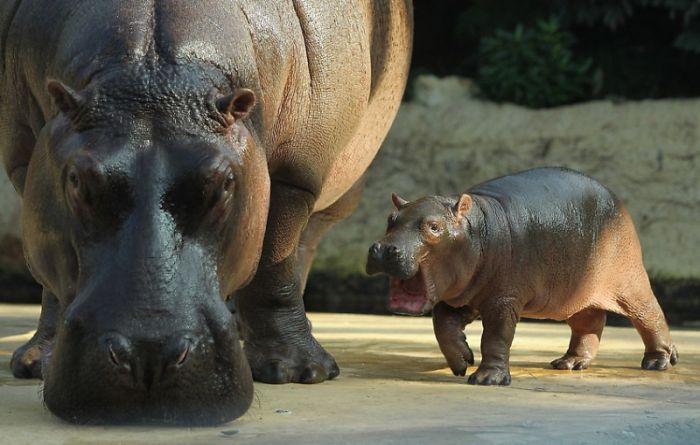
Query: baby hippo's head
<point>424,241</point>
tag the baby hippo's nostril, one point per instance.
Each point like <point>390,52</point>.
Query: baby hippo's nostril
<point>393,252</point>
<point>376,250</point>
<point>119,350</point>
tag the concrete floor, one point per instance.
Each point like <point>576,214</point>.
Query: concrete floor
<point>394,388</point>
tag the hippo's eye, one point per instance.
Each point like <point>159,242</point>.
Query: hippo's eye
<point>73,179</point>
<point>222,189</point>
<point>229,182</point>
<point>432,227</point>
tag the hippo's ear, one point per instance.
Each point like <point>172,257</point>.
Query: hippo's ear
<point>464,204</point>
<point>236,105</point>
<point>67,100</point>
<point>398,201</point>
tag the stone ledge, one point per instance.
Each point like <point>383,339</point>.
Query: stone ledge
<point>359,293</point>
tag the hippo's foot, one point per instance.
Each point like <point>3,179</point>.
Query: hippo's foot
<point>290,356</point>
<point>26,360</point>
<point>458,355</point>
<point>490,375</point>
<point>277,362</point>
<point>658,361</point>
<point>568,361</point>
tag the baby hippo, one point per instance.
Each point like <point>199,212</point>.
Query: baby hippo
<point>544,243</point>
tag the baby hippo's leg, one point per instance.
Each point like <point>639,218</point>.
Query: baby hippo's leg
<point>448,324</point>
<point>586,330</point>
<point>499,318</point>
<point>647,317</point>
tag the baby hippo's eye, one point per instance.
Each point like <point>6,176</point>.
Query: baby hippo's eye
<point>391,220</point>
<point>432,227</point>
<point>432,230</point>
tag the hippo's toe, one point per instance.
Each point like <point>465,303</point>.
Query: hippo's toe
<point>490,375</point>
<point>659,360</point>
<point>313,373</point>
<point>26,360</point>
<point>571,362</point>
<point>459,356</point>
<point>274,371</point>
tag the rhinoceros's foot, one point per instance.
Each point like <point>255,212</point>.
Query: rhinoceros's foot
<point>26,360</point>
<point>490,375</point>
<point>568,361</point>
<point>300,361</point>
<point>659,360</point>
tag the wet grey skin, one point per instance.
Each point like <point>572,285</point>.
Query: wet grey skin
<point>544,243</point>
<point>178,161</point>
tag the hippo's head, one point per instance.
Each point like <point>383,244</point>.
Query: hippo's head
<point>145,205</point>
<point>426,252</point>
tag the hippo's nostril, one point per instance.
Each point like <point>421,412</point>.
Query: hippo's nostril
<point>113,355</point>
<point>375,249</point>
<point>183,356</point>
<point>180,348</point>
<point>119,350</point>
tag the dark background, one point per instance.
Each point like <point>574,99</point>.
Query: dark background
<point>641,48</point>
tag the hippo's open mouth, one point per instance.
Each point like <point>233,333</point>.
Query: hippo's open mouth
<point>413,296</point>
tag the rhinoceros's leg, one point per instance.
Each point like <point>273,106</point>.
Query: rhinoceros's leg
<point>26,360</point>
<point>586,330</point>
<point>277,334</point>
<point>448,325</point>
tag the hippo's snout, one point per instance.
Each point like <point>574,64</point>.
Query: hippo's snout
<point>375,259</point>
<point>182,368</point>
<point>390,259</point>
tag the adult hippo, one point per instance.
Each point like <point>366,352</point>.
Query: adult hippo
<point>154,188</point>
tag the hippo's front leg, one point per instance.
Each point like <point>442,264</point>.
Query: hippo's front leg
<point>278,341</point>
<point>26,360</point>
<point>449,323</point>
<point>499,317</point>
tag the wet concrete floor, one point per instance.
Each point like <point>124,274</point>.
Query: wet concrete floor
<point>395,388</point>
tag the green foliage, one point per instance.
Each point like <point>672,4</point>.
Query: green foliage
<point>639,48</point>
<point>534,67</point>
<point>615,14</point>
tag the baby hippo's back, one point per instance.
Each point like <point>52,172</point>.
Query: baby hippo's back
<point>564,241</point>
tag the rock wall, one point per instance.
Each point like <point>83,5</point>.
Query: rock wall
<point>446,140</point>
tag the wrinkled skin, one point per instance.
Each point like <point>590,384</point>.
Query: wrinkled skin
<point>176,160</point>
<point>544,243</point>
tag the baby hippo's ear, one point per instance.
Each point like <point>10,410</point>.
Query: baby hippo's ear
<point>464,204</point>
<point>398,201</point>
